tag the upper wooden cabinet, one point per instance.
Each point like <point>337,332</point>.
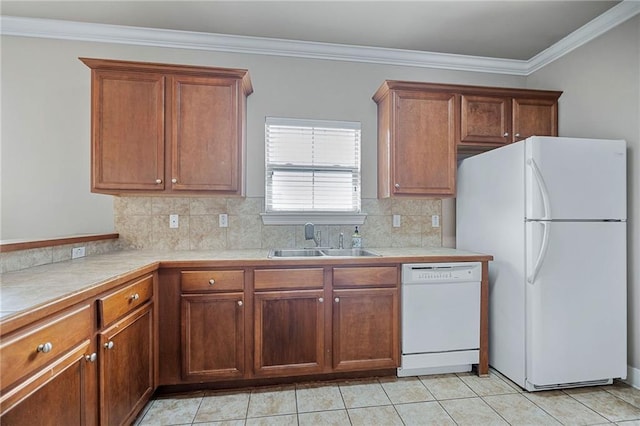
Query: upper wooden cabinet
<point>416,141</point>
<point>423,127</point>
<point>167,128</point>
<point>493,117</point>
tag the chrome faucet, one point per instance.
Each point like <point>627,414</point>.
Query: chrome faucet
<point>310,234</point>
<point>341,241</point>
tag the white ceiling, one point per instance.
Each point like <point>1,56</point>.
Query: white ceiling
<point>516,29</point>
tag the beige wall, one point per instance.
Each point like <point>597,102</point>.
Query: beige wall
<point>601,99</point>
<point>45,122</point>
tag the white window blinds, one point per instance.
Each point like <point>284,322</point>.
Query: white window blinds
<point>312,165</point>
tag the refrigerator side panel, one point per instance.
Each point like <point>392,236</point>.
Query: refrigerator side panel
<point>576,306</point>
<point>490,219</point>
<point>585,179</point>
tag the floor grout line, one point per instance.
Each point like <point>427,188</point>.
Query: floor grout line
<point>621,395</point>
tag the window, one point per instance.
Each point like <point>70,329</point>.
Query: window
<point>312,166</point>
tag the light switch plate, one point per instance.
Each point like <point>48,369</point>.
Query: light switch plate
<point>223,220</point>
<point>435,221</point>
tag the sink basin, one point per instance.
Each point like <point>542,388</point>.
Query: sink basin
<point>349,252</point>
<point>312,252</point>
<point>295,253</point>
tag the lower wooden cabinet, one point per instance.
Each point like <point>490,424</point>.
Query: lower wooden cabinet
<point>126,366</point>
<point>288,332</point>
<point>212,336</point>
<point>365,329</point>
<point>60,394</point>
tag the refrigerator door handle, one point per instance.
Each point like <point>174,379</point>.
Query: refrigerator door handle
<point>543,188</point>
<point>543,252</point>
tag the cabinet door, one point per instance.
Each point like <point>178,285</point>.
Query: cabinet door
<point>128,131</point>
<point>126,367</point>
<point>212,336</point>
<point>534,117</point>
<point>206,129</point>
<point>289,332</point>
<point>57,395</point>
<point>423,144</point>
<point>485,120</point>
<point>365,329</point>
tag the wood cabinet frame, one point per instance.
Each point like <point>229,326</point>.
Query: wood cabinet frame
<point>192,119</point>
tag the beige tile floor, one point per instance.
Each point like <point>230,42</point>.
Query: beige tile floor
<point>449,399</point>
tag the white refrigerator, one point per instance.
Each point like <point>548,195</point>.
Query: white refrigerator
<point>552,212</point>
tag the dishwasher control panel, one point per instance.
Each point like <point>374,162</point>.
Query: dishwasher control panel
<point>420,273</point>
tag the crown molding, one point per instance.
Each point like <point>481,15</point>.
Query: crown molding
<point>613,17</point>
<point>105,33</point>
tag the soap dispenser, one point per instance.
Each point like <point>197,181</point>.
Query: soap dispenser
<point>356,239</point>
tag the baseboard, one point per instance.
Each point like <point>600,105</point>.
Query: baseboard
<point>633,376</point>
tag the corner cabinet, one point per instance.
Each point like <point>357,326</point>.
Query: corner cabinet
<point>167,128</point>
<point>423,128</point>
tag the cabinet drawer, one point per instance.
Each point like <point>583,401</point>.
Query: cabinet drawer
<point>365,276</point>
<point>212,281</point>
<point>288,278</point>
<point>30,350</point>
<point>117,304</point>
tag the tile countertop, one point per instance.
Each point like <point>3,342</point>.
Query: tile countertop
<point>42,286</point>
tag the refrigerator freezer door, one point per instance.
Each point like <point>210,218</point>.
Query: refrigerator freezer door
<point>576,307</point>
<point>585,179</point>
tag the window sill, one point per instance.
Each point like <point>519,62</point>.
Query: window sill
<point>315,218</point>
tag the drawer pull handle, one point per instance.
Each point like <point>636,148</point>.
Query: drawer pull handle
<point>158,181</point>
<point>45,347</point>
<point>506,134</point>
<point>212,281</point>
<point>337,299</point>
<point>321,299</point>
<point>135,296</point>
<point>108,345</point>
<point>174,180</point>
<point>239,302</point>
<point>91,358</point>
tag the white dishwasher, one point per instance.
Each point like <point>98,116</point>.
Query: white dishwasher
<point>440,317</point>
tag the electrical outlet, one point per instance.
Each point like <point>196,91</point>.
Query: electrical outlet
<point>77,252</point>
<point>396,221</point>
<point>435,221</point>
<point>174,221</point>
<point>223,220</point>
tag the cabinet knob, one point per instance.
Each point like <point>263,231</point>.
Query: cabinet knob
<point>240,303</point>
<point>397,185</point>
<point>91,358</point>
<point>158,181</point>
<point>517,135</point>
<point>135,296</point>
<point>212,281</point>
<point>506,134</point>
<point>45,347</point>
<point>337,300</point>
<point>108,345</point>
<point>321,299</point>
<point>174,180</point>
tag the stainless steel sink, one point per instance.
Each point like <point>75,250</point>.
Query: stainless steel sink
<point>295,253</point>
<point>313,252</point>
<point>354,252</point>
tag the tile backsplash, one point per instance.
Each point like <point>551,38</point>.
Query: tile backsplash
<point>143,223</point>
<point>22,259</point>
